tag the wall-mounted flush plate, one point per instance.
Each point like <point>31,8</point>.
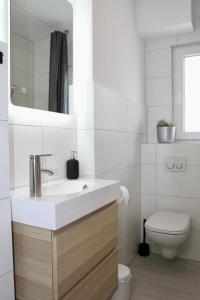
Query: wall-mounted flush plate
<point>175,164</point>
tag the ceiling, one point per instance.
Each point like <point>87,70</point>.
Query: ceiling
<point>35,19</point>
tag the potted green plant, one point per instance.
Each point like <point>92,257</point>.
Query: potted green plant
<point>166,132</point>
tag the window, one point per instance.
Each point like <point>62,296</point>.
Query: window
<point>187,91</point>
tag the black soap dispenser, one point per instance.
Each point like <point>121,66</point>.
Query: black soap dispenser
<point>73,166</point>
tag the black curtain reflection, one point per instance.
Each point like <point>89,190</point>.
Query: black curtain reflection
<point>58,74</point>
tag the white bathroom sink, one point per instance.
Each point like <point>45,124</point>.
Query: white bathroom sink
<point>70,187</point>
<point>62,202</point>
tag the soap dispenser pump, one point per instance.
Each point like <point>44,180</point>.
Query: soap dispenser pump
<point>73,166</point>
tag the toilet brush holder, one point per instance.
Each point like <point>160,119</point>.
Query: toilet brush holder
<point>143,249</point>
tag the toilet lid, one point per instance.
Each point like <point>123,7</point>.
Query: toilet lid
<point>168,223</point>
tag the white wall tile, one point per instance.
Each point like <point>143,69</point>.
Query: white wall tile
<point>179,184</point>
<point>41,85</point>
<point>86,152</point>
<point>190,249</point>
<point>129,228</point>
<point>189,206</point>
<point>160,43</point>
<point>4,160</point>
<point>24,141</point>
<point>159,91</point>
<point>148,179</point>
<point>134,185</point>
<point>152,139</point>
<point>148,154</point>
<point>21,43</point>
<point>58,142</point>
<point>190,151</point>
<point>85,107</point>
<point>24,100</point>
<point>23,80</point>
<point>197,9</point>
<point>42,46</point>
<point>122,175</point>
<point>4,83</point>
<point>54,120</point>
<point>41,63</point>
<point>134,151</point>
<point>136,117</point>
<point>41,102</point>
<point>111,110</point>
<point>158,63</point>
<point>22,60</point>
<point>7,287</point>
<point>6,262</point>
<point>148,205</point>
<point>133,225</point>
<point>111,151</point>
<point>157,113</point>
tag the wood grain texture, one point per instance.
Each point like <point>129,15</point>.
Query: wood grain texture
<point>32,262</point>
<point>77,249</point>
<point>99,284</point>
<point>56,265</point>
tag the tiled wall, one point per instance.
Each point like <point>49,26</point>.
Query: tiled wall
<point>119,132</point>
<point>22,69</point>
<point>160,190</point>
<point>41,73</point>
<point>119,109</point>
<point>6,263</point>
<point>158,74</point>
<point>57,137</point>
<point>34,131</point>
<point>176,192</point>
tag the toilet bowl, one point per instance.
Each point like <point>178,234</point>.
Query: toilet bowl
<point>168,230</point>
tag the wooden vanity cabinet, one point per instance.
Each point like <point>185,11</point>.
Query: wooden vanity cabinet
<point>76,262</point>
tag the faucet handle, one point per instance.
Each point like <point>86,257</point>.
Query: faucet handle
<point>44,155</point>
<point>37,156</point>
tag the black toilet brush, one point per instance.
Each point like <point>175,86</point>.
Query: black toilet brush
<point>143,249</point>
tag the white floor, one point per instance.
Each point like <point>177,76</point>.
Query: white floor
<point>155,278</point>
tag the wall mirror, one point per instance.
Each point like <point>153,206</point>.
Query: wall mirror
<point>41,50</point>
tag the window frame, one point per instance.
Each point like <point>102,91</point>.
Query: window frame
<point>179,54</point>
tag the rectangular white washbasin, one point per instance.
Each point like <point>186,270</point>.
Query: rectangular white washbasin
<point>62,202</point>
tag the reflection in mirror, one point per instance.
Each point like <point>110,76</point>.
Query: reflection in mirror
<point>42,54</point>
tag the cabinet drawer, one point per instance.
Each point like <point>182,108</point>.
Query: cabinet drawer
<point>99,284</point>
<point>78,248</point>
<point>33,263</point>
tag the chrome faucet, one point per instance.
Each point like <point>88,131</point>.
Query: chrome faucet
<point>35,174</point>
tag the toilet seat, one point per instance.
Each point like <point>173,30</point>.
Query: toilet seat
<point>168,223</point>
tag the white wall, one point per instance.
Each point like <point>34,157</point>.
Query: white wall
<point>119,108</point>
<point>41,73</point>
<point>22,69</point>
<point>160,190</point>
<point>46,133</point>
<point>6,263</point>
<point>160,18</point>
<point>176,192</point>
<point>158,74</point>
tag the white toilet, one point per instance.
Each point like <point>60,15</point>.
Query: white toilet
<point>168,230</point>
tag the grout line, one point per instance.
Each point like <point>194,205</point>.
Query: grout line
<point>179,197</point>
